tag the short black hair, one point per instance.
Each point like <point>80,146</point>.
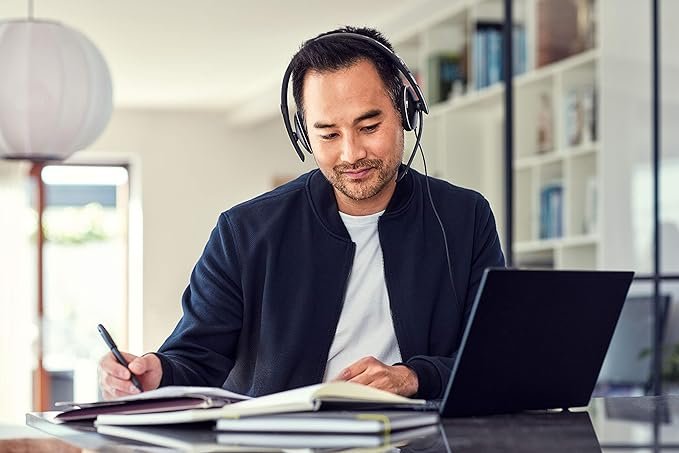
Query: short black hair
<point>341,52</point>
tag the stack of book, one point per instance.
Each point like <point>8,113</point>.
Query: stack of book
<point>282,432</point>
<point>322,416</point>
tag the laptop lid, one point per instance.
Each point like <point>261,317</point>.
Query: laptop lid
<point>535,339</point>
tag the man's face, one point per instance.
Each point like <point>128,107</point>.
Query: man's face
<point>355,131</point>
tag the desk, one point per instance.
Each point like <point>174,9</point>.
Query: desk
<point>639,424</point>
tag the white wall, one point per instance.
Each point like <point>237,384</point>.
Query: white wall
<point>192,168</point>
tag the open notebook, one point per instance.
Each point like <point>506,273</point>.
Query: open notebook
<point>347,395</point>
<point>171,398</point>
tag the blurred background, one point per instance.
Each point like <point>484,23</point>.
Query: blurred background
<point>196,128</point>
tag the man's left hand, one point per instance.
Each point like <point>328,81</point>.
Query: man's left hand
<point>369,371</point>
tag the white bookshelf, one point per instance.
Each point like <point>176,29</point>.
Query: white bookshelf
<point>463,136</point>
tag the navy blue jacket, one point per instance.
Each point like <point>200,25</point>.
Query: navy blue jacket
<point>263,302</point>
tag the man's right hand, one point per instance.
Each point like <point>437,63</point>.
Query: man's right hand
<point>114,379</point>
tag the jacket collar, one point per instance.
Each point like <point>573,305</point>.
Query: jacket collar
<point>322,199</point>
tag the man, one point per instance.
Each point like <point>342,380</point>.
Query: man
<point>341,273</point>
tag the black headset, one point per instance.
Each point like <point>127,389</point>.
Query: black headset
<point>411,104</point>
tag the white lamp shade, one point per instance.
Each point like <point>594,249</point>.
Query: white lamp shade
<point>55,91</point>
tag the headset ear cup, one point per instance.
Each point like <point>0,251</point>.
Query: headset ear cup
<point>409,108</point>
<point>300,131</point>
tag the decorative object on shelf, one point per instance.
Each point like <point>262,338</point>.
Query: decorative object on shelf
<point>564,28</point>
<point>575,118</point>
<point>586,23</point>
<point>55,90</point>
<point>446,76</point>
<point>545,136</point>
<point>551,210</point>
<point>589,111</point>
<point>580,115</point>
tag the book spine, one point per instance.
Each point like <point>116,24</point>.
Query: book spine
<point>484,58</point>
<point>544,215</point>
<point>551,211</point>
<point>478,59</point>
<point>557,209</point>
<point>492,57</point>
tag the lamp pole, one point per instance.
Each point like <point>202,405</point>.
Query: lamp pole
<point>41,388</point>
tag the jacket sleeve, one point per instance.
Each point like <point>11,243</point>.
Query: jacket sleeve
<point>201,349</point>
<point>433,372</point>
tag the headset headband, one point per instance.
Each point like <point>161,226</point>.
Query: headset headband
<point>420,102</point>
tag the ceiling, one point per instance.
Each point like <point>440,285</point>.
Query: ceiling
<point>203,54</point>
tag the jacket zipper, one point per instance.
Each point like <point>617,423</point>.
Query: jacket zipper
<point>341,305</point>
<point>398,331</point>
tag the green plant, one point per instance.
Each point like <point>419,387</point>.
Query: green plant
<point>670,369</point>
<point>671,365</point>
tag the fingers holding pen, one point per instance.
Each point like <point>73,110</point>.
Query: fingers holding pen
<point>114,378</point>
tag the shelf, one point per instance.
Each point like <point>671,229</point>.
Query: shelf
<point>567,64</point>
<point>543,245</point>
<point>491,95</point>
<point>549,157</point>
<point>540,159</point>
<point>478,99</point>
<point>582,150</point>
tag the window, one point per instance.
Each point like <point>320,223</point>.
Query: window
<point>85,224</point>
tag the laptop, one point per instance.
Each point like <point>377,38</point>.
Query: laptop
<point>535,340</point>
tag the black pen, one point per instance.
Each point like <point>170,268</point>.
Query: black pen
<point>119,357</point>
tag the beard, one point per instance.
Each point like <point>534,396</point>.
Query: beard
<point>383,173</point>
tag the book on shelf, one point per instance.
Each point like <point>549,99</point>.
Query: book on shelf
<point>165,399</point>
<point>551,210</point>
<point>345,395</point>
<point>488,53</point>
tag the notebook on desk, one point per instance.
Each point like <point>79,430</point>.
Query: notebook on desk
<point>165,399</point>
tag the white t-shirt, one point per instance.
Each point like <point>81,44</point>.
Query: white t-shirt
<point>365,326</point>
